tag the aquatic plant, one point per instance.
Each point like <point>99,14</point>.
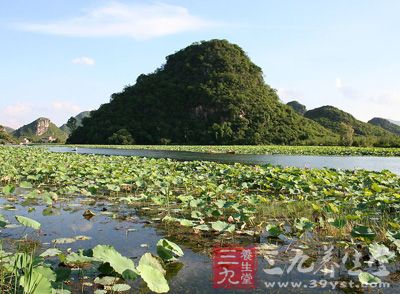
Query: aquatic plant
<point>284,204</point>
<point>30,273</point>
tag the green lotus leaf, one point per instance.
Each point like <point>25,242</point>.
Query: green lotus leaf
<point>363,232</point>
<point>106,280</point>
<point>9,189</point>
<point>381,253</point>
<point>273,231</point>
<point>28,222</point>
<point>186,223</point>
<point>25,185</point>
<point>168,250</point>
<point>368,279</point>
<point>51,252</point>
<point>221,226</point>
<point>122,265</point>
<point>338,223</point>
<point>38,281</point>
<point>120,288</point>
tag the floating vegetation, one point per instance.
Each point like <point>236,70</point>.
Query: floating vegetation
<point>212,202</point>
<point>26,272</point>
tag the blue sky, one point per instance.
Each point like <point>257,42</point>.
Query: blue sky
<point>58,58</point>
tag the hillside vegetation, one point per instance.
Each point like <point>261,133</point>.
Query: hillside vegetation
<point>39,129</point>
<point>351,130</point>
<point>5,137</point>
<point>385,124</point>
<point>298,107</point>
<point>207,93</point>
<point>74,122</point>
<point>8,129</point>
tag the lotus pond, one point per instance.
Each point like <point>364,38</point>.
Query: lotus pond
<point>76,223</point>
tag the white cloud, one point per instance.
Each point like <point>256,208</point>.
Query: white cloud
<point>13,115</point>
<point>139,21</point>
<point>17,109</point>
<point>377,96</point>
<point>84,60</point>
<point>347,91</point>
<point>339,83</point>
<point>365,105</point>
<point>21,113</point>
<point>66,107</point>
<point>288,94</point>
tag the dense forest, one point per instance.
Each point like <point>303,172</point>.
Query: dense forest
<point>207,93</point>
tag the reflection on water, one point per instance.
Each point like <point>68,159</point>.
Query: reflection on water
<point>309,161</point>
<point>82,227</point>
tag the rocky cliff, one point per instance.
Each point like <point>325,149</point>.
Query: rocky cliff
<point>40,130</point>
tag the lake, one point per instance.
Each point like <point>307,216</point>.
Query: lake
<point>372,163</point>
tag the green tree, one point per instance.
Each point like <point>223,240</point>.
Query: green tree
<point>346,134</point>
<point>298,107</point>
<point>72,124</point>
<point>121,137</point>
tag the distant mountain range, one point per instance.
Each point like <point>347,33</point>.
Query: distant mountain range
<point>330,117</point>
<point>337,120</point>
<point>7,129</point>
<point>42,130</point>
<point>386,124</point>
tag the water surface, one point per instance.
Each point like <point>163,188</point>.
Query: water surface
<point>132,235</point>
<point>373,163</point>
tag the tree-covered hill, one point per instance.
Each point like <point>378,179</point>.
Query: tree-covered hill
<point>74,122</point>
<point>385,124</point>
<point>350,129</point>
<point>5,137</point>
<point>7,129</point>
<point>298,107</point>
<point>207,93</point>
<point>40,129</point>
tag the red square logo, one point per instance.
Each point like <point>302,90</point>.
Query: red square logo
<point>234,267</point>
